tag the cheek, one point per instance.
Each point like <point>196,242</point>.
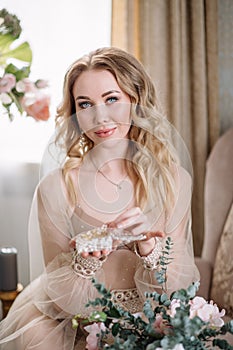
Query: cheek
<point>122,113</point>
<point>124,129</point>
<point>83,124</point>
<point>85,120</point>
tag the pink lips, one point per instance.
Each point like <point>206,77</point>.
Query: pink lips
<point>105,132</point>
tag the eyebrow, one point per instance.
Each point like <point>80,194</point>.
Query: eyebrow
<point>103,95</point>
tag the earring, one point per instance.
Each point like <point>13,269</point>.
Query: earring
<point>83,145</point>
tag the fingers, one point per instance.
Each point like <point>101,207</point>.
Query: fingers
<point>152,234</point>
<point>97,254</point>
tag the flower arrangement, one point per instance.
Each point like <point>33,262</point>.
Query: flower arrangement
<point>182,321</point>
<point>16,89</point>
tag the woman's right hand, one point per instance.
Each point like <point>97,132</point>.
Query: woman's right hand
<point>96,254</point>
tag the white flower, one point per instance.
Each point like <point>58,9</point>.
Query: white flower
<point>5,98</point>
<point>20,86</point>
<point>174,304</point>
<point>178,347</point>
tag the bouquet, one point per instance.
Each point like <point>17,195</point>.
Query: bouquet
<point>181,321</point>
<point>16,89</point>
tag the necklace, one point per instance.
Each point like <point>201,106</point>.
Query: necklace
<point>118,185</point>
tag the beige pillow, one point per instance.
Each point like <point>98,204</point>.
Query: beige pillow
<point>222,285</point>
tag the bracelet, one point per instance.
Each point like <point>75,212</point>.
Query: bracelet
<point>151,261</point>
<point>86,267</point>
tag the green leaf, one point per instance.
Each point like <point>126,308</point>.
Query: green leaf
<point>5,42</point>
<point>98,316</point>
<point>23,53</point>
<point>18,73</point>
<point>222,344</point>
<point>114,313</point>
<point>115,329</point>
<point>75,323</point>
<point>227,327</point>
<point>163,298</point>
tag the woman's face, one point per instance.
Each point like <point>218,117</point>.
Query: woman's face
<point>102,108</point>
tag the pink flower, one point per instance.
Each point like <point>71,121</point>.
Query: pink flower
<point>159,324</point>
<point>36,105</point>
<point>25,85</point>
<point>92,338</point>
<point>196,304</point>
<point>5,98</point>
<point>7,82</point>
<point>210,313</point>
<point>42,84</point>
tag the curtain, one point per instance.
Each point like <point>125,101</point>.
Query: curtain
<point>176,40</point>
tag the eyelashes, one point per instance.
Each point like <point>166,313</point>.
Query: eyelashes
<point>88,104</point>
<point>112,99</point>
<point>84,105</point>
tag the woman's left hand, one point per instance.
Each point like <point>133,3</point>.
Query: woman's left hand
<point>136,222</point>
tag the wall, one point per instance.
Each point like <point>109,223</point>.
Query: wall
<point>17,184</point>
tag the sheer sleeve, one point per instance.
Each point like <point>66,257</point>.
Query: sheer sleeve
<point>49,228</point>
<point>181,271</point>
<point>63,292</point>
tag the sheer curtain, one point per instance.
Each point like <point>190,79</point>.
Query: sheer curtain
<point>177,42</point>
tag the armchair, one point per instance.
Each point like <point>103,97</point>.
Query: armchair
<point>216,261</point>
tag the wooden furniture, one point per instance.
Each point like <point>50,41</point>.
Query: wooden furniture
<point>7,298</point>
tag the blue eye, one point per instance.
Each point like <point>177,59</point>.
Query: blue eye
<point>112,99</point>
<point>84,105</point>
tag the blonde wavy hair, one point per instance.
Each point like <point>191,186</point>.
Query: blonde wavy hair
<point>153,155</point>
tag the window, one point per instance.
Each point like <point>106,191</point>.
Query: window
<point>59,32</point>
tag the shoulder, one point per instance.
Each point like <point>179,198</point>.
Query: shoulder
<point>53,192</point>
<point>52,180</point>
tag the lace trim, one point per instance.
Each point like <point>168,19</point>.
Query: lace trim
<point>128,299</point>
<point>151,261</point>
<point>86,267</point>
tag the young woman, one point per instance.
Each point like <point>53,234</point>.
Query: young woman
<point>118,179</point>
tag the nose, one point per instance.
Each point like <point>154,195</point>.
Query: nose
<point>101,114</point>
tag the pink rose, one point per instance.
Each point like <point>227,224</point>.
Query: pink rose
<point>7,82</point>
<point>92,338</point>
<point>36,105</point>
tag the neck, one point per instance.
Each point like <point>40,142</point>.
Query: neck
<point>110,160</point>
